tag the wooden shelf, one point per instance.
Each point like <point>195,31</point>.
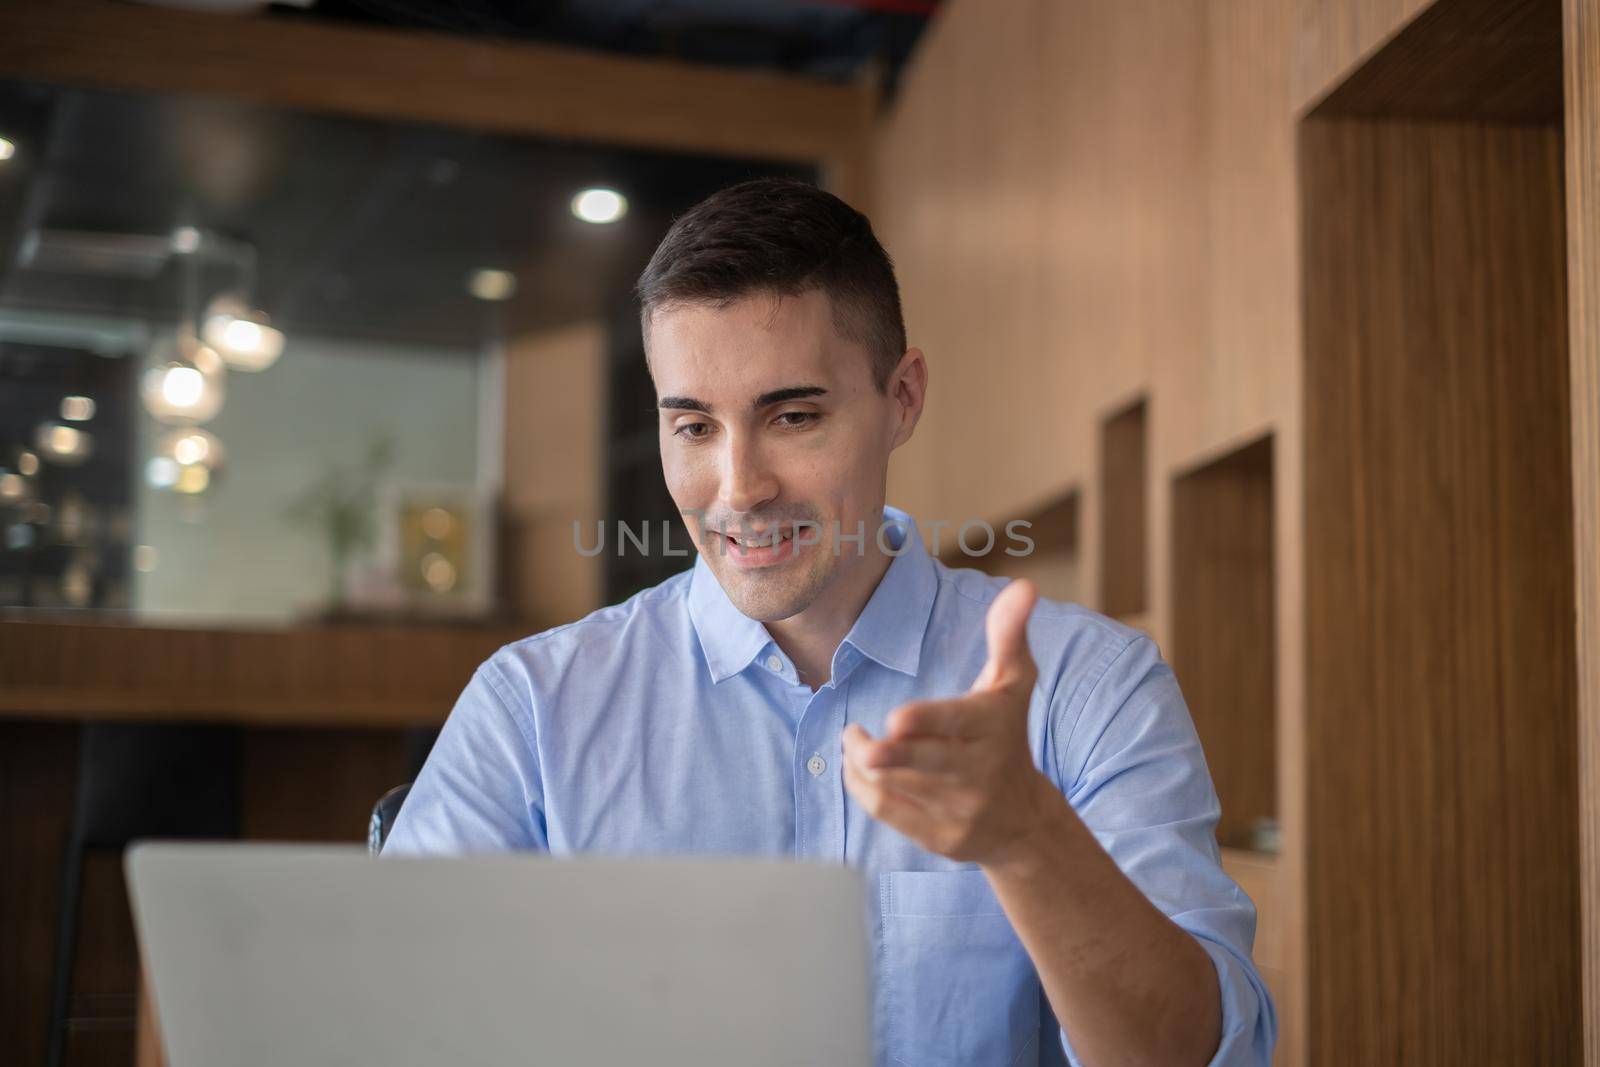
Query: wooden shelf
<point>1123,469</point>
<point>1224,646</point>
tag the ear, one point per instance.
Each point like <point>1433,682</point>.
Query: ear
<point>907,389</point>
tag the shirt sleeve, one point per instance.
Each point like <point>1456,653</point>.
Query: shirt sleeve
<point>1131,766</point>
<point>480,788</point>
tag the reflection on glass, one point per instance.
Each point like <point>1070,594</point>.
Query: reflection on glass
<point>375,279</point>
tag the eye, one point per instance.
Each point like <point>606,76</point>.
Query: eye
<point>694,431</point>
<point>796,420</point>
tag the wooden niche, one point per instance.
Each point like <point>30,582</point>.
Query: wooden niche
<point>1441,781</point>
<point>1124,590</point>
<point>1224,647</point>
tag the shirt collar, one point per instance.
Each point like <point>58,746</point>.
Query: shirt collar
<point>889,629</point>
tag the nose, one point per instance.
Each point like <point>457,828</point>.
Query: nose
<point>747,481</point>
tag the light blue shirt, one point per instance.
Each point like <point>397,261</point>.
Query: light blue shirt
<point>672,723</point>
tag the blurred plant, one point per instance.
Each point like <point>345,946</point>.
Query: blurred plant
<point>342,506</point>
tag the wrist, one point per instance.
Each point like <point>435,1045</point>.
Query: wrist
<point>1046,827</point>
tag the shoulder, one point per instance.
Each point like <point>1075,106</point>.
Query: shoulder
<point>1090,665</point>
<point>601,641</point>
<point>1061,633</point>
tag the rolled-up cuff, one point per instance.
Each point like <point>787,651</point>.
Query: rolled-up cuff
<point>1249,1021</point>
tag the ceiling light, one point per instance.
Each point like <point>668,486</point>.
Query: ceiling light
<point>184,383</point>
<point>7,149</point>
<point>12,487</point>
<point>28,464</point>
<point>77,408</point>
<point>489,284</point>
<point>599,205</point>
<point>245,338</point>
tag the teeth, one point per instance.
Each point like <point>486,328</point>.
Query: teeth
<point>759,542</point>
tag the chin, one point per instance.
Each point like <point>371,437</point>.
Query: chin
<point>771,598</point>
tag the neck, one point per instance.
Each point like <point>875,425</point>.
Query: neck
<point>811,637</point>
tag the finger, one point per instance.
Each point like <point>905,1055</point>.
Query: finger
<point>969,717</point>
<point>938,754</point>
<point>932,790</point>
<point>1006,628</point>
<point>901,810</point>
<point>858,748</point>
<point>856,742</point>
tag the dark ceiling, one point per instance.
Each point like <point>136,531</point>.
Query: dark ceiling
<point>821,38</point>
<point>370,229</point>
<point>363,229</point>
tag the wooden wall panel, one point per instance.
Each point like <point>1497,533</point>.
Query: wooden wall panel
<point>416,76</point>
<point>317,784</point>
<point>36,782</point>
<point>1493,60</point>
<point>1033,189</point>
<point>1582,66</point>
<point>1441,780</point>
<point>1168,249</point>
<point>1333,37</point>
<point>554,462</point>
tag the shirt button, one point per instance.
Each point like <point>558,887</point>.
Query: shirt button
<point>816,765</point>
<point>774,664</point>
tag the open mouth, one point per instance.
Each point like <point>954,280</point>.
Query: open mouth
<point>759,549</point>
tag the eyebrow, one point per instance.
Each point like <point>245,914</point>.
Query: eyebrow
<point>767,399</point>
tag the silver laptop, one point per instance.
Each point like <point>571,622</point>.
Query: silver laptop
<point>322,955</point>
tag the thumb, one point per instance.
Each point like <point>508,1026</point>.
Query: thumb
<point>1007,629</point>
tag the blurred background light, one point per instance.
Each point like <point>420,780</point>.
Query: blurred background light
<point>61,444</point>
<point>184,384</point>
<point>185,240</point>
<point>490,284</point>
<point>244,337</point>
<point>599,206</point>
<point>161,472</point>
<point>77,408</point>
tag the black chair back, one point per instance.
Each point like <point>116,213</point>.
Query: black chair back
<point>384,813</point>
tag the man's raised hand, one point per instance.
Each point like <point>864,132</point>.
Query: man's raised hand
<point>956,775</point>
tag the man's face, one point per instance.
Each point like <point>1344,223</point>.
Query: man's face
<point>768,418</point>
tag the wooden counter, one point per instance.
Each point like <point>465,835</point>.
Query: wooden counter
<point>341,675</point>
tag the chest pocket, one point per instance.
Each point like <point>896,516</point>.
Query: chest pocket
<point>955,983</point>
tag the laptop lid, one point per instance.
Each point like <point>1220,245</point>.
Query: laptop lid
<point>280,954</point>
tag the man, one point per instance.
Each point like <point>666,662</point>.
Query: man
<point>1019,778</point>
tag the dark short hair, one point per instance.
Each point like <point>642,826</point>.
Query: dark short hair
<point>785,237</point>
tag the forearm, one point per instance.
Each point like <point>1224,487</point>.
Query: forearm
<point>1128,985</point>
